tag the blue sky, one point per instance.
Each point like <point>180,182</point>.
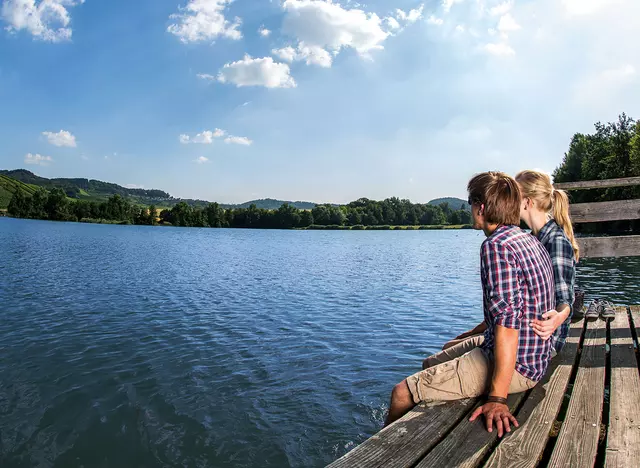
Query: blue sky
<point>308,99</point>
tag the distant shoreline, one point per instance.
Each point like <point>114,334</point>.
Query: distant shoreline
<point>442,227</point>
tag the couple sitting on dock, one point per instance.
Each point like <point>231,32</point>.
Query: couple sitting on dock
<point>528,290</point>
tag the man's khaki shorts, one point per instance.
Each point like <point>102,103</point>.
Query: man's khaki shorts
<point>466,376</point>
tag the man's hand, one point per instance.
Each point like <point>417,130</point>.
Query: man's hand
<point>498,414</point>
<point>546,327</point>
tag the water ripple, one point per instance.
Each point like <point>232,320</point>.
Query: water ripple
<point>136,346</point>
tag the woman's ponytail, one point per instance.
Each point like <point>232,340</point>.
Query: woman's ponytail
<point>560,204</point>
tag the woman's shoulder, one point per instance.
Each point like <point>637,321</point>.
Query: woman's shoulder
<point>557,240</point>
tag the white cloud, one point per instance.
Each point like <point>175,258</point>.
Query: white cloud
<point>206,77</point>
<point>37,159</point>
<point>204,138</point>
<point>330,26</point>
<point>47,20</point>
<point>62,138</point>
<point>204,20</point>
<point>323,29</point>
<point>436,21</point>
<point>508,24</point>
<point>257,72</point>
<point>201,160</point>
<point>448,4</point>
<point>587,7</point>
<point>460,28</point>
<point>311,55</point>
<point>411,17</point>
<point>499,49</point>
<point>264,32</point>
<point>501,9</point>
<point>392,23</point>
<point>238,140</point>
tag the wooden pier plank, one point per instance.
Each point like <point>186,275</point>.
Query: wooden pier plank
<point>577,443</point>
<point>523,448</point>
<point>403,443</point>
<point>468,443</point>
<point>635,316</point>
<point>623,440</point>
<point>597,212</point>
<point>615,246</point>
<point>598,184</point>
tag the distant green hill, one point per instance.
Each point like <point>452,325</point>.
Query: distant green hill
<point>8,186</point>
<point>84,188</point>
<point>96,190</point>
<point>454,203</point>
<point>271,204</point>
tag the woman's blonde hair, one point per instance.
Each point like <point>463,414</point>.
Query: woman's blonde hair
<point>537,186</point>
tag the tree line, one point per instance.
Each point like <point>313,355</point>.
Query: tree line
<point>611,152</point>
<point>54,205</point>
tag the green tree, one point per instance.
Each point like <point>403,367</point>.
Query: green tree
<point>306,218</point>
<point>634,154</point>
<point>19,205</point>
<point>38,204</point>
<point>152,215</point>
<point>57,206</point>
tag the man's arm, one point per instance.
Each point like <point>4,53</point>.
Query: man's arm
<point>505,352</point>
<point>503,292</point>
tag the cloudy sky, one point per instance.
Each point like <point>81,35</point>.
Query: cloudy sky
<point>308,99</point>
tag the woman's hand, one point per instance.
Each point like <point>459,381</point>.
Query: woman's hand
<point>546,328</point>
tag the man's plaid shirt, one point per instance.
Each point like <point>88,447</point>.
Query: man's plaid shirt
<point>517,282</point>
<point>564,273</point>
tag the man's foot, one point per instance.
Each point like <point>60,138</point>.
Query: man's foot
<point>593,312</point>
<point>607,311</point>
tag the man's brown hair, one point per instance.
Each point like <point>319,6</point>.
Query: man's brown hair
<point>500,195</point>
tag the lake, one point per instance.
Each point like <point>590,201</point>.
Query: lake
<point>149,346</point>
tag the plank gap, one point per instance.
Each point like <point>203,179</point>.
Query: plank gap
<point>444,435</point>
<point>606,402</point>
<point>634,336</point>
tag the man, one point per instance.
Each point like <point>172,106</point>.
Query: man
<point>517,284</point>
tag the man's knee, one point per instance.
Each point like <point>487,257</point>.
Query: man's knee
<point>401,393</point>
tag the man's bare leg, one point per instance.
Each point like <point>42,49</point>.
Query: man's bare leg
<point>401,402</point>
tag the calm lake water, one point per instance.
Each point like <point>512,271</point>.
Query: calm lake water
<point>141,346</point>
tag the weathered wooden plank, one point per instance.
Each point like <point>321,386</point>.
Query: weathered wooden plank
<point>468,443</point>
<point>596,184</point>
<point>577,443</point>
<point>605,211</point>
<point>523,448</point>
<point>403,443</point>
<point>619,246</point>
<point>623,439</point>
<point>635,316</point>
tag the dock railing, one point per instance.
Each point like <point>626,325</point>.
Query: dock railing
<point>619,210</point>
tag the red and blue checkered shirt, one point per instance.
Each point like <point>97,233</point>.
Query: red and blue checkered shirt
<point>518,286</point>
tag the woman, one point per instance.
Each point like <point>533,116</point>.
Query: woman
<point>546,211</point>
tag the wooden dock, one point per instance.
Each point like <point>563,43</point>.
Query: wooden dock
<point>585,413</point>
